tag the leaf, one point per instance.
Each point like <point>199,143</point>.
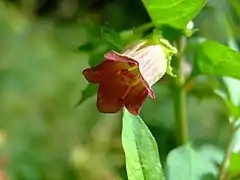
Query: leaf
<point>86,47</point>
<point>231,97</point>
<point>234,166</point>
<point>216,59</point>
<point>176,13</point>
<point>208,177</point>
<point>141,152</point>
<point>233,86</point>
<point>113,38</point>
<point>236,5</point>
<point>90,91</point>
<point>232,109</point>
<point>169,50</point>
<point>203,87</point>
<point>186,163</point>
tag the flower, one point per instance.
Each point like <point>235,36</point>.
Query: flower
<point>125,79</point>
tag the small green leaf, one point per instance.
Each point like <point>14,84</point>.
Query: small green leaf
<point>232,109</point>
<point>169,69</point>
<point>141,152</point>
<point>90,91</point>
<point>113,38</point>
<point>169,50</point>
<point>86,47</point>
<point>234,166</point>
<point>216,59</point>
<point>233,86</point>
<point>176,13</point>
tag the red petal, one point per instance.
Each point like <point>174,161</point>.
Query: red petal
<point>101,72</point>
<point>149,89</point>
<point>91,75</point>
<point>135,98</point>
<point>114,56</point>
<point>110,93</point>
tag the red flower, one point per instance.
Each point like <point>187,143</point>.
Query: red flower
<point>126,79</point>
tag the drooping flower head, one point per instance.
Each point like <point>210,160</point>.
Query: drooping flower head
<point>126,78</point>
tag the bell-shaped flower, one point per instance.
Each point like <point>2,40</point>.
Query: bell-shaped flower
<point>126,79</point>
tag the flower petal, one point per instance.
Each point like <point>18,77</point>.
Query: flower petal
<point>110,93</point>
<point>114,56</point>
<point>152,62</point>
<point>135,98</point>
<point>149,89</point>
<point>101,72</point>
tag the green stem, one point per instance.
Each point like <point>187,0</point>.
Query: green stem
<point>145,27</point>
<point>180,97</point>
<point>180,115</point>
<point>222,168</point>
<point>222,173</point>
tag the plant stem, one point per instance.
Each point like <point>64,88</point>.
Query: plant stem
<point>180,115</point>
<point>145,27</point>
<point>180,97</point>
<point>222,172</point>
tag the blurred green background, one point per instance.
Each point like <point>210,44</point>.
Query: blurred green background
<point>43,136</point>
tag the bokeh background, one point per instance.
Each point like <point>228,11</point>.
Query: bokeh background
<point>43,135</point>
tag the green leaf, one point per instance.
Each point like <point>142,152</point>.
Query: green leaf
<point>169,50</point>
<point>113,38</point>
<point>234,166</point>
<point>233,103</point>
<point>233,86</point>
<point>176,13</point>
<point>90,91</point>
<point>232,109</point>
<point>86,47</point>
<point>236,5</point>
<point>208,177</point>
<point>169,70</point>
<point>186,163</point>
<point>203,87</point>
<point>216,59</point>
<point>141,152</point>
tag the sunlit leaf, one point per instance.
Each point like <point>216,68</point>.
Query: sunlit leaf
<point>142,159</point>
<point>176,13</point>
